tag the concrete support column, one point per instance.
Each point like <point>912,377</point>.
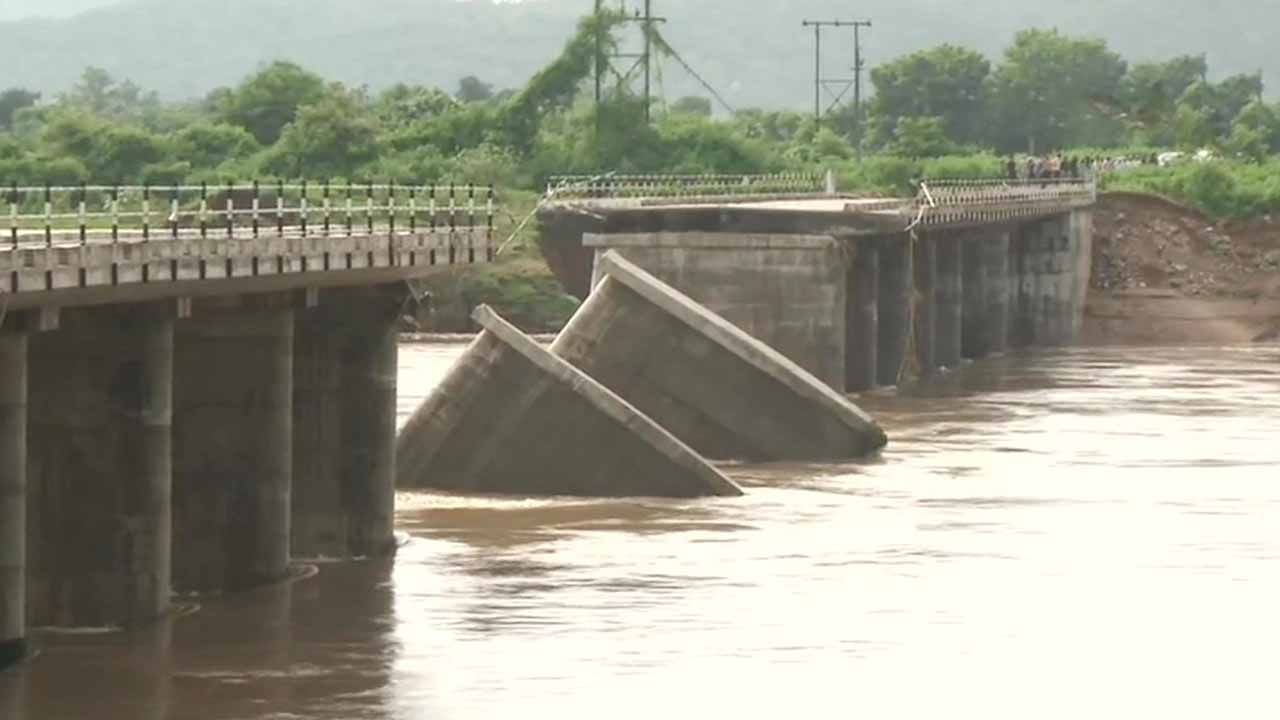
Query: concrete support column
<point>948,328</point>
<point>344,413</point>
<point>862,338</point>
<point>99,468</point>
<point>976,336</point>
<point>998,285</point>
<point>1023,255</point>
<point>894,306</point>
<point>233,446</point>
<point>926,282</point>
<point>13,496</point>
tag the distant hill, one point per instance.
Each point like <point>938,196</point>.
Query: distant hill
<point>754,51</point>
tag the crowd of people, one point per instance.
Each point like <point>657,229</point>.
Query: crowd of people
<point>1058,166</point>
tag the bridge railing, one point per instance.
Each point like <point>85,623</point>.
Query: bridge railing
<point>684,187</point>
<point>91,214</point>
<point>977,192</point>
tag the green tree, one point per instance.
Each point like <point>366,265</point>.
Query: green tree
<point>1151,90</point>
<point>334,137</point>
<point>1053,91</point>
<point>13,100</point>
<point>207,145</point>
<point>921,137</point>
<point>471,89</point>
<point>692,105</point>
<point>268,101</point>
<point>945,82</point>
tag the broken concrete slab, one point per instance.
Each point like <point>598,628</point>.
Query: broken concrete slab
<point>511,418</point>
<point>722,391</point>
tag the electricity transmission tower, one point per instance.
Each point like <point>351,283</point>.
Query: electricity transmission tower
<point>838,87</point>
<point>641,62</point>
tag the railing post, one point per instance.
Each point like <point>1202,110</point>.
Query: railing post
<point>490,250</point>
<point>368,207</point>
<point>453,224</point>
<point>256,208</point>
<point>231,209</point>
<point>115,214</point>
<point>471,223</point>
<point>303,208</point>
<point>15,198</point>
<point>204,210</point>
<point>173,212</point>
<point>350,218</point>
<point>81,210</point>
<point>327,208</point>
<point>391,207</point>
<point>280,208</point>
<point>48,215</point>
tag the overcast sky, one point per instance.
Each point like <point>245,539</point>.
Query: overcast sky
<point>16,9</point>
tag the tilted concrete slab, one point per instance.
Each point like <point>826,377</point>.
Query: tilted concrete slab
<point>511,418</point>
<point>726,393</point>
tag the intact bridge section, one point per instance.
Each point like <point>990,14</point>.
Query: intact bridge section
<point>862,292</point>
<point>198,384</point>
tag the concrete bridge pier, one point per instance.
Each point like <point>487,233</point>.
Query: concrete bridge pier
<point>976,335</point>
<point>862,336</point>
<point>926,282</point>
<point>949,322</point>
<point>894,307</point>
<point>344,415</point>
<point>998,280</point>
<point>1025,293</point>
<point>99,467</point>
<point>233,445</point>
<point>13,495</point>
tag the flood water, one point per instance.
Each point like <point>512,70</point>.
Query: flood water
<point>1077,534</point>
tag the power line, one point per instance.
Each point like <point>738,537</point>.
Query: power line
<point>842,84</point>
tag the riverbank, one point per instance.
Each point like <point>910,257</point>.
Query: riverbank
<point>1164,273</point>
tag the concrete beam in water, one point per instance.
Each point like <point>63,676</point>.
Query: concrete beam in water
<point>512,418</point>
<point>726,393</point>
<point>790,291</point>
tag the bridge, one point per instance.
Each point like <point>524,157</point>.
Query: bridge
<point>860,291</point>
<point>198,383</point>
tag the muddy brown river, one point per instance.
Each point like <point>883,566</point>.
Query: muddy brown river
<point>1084,534</point>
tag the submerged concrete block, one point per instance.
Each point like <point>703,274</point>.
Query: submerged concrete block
<point>512,418</point>
<point>726,393</point>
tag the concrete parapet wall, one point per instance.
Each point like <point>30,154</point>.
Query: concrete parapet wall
<point>13,496</point>
<point>724,392</point>
<point>786,290</point>
<point>512,418</point>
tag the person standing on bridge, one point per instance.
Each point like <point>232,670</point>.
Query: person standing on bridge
<point>1011,169</point>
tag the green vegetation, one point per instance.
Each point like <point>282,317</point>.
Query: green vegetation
<point>943,112</point>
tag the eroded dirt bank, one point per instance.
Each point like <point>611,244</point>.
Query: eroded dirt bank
<point>1165,274</point>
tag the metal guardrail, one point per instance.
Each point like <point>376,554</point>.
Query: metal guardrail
<point>93,214</point>
<point>684,187</point>
<point>969,201</point>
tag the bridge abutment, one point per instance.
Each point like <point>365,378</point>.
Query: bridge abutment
<point>344,414</point>
<point>233,445</point>
<point>13,496</point>
<point>99,467</point>
<point>862,337</point>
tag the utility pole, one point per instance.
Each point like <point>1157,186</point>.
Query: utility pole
<point>643,60</point>
<point>857,79</point>
<point>821,83</point>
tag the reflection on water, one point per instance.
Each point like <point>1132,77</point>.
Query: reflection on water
<point>1082,534</point>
